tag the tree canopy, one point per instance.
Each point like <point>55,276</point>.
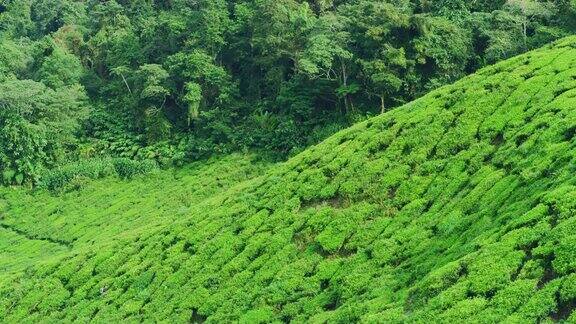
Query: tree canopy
<point>214,76</point>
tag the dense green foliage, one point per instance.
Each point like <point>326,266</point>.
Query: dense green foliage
<point>457,207</point>
<point>37,124</point>
<point>180,80</point>
<point>73,175</point>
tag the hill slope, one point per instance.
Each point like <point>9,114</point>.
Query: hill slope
<point>460,205</point>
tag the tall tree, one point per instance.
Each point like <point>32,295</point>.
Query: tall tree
<point>37,126</point>
<point>152,92</point>
<point>327,57</point>
<point>527,12</point>
<point>60,69</point>
<point>384,74</point>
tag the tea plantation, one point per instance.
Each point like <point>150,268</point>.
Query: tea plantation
<point>458,206</point>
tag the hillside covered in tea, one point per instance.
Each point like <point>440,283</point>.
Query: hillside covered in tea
<point>458,206</point>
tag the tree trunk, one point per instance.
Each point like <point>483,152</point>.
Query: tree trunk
<point>126,83</point>
<point>382,106</point>
<point>345,84</point>
<point>351,104</point>
<point>525,34</point>
<point>346,107</point>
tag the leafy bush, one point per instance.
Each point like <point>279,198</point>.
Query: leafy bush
<point>127,169</point>
<point>74,174</point>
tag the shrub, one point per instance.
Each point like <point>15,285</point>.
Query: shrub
<point>126,168</point>
<point>72,176</point>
